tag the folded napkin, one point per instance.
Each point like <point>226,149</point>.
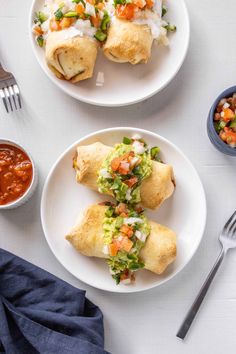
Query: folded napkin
<point>40,313</point>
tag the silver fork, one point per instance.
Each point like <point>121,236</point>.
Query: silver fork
<point>9,90</point>
<point>227,239</point>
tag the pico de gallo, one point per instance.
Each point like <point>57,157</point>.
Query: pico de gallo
<point>83,17</point>
<point>125,168</point>
<point>125,231</point>
<point>225,120</point>
<point>92,18</point>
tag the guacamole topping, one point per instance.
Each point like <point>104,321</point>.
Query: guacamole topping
<point>125,168</point>
<point>125,231</point>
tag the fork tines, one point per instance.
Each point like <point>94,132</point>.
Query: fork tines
<point>11,95</point>
<point>9,90</point>
<point>230,226</point>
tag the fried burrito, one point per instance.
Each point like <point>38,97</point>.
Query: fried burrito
<point>125,172</point>
<point>128,42</point>
<point>71,59</point>
<point>134,26</point>
<point>129,243</point>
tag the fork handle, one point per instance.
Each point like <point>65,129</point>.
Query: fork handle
<point>201,295</point>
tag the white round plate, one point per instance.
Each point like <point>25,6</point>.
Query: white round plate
<point>126,84</point>
<point>63,199</point>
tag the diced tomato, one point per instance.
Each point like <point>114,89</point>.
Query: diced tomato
<point>66,22</point>
<point>79,8</point>
<point>121,209</point>
<point>127,230</point>
<point>125,11</point>
<point>149,4</point>
<point>95,21</point>
<point>115,163</point>
<point>131,182</point>
<point>126,244</point>
<point>124,168</point>
<point>113,249</point>
<point>38,30</point>
<point>139,3</point>
<point>125,275</point>
<point>228,114</point>
<point>228,135</point>
<point>100,6</point>
<point>139,209</point>
<point>54,25</point>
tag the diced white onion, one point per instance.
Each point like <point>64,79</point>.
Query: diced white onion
<point>101,14</point>
<point>124,165</point>
<point>134,161</point>
<point>133,220</point>
<point>136,136</point>
<point>105,249</point>
<point>141,236</point>
<point>222,114</point>
<point>138,147</point>
<point>85,28</point>
<point>100,81</point>
<point>104,173</point>
<point>126,281</point>
<point>128,194</point>
<point>226,105</point>
<point>45,25</point>
<point>90,9</point>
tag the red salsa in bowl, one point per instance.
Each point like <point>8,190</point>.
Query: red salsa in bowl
<point>225,120</point>
<point>16,173</point>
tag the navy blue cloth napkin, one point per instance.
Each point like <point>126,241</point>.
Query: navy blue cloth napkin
<point>40,313</point>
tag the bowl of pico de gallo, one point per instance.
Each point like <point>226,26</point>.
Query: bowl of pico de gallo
<point>221,122</point>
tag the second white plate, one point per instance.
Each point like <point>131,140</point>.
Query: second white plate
<point>125,83</point>
<point>63,199</point>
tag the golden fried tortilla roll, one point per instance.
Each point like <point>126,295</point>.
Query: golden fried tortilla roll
<point>128,42</point>
<point>87,237</point>
<point>154,190</point>
<point>71,59</point>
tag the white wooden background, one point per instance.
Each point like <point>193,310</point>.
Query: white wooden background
<point>144,323</point>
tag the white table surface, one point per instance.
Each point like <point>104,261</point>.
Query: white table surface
<point>144,323</point>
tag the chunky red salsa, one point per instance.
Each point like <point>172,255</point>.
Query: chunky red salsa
<point>16,173</point>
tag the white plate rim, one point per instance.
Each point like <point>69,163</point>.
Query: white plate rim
<point>58,83</point>
<point>138,130</point>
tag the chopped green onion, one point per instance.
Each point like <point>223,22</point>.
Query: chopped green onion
<point>105,21</point>
<point>154,152</point>
<point>217,126</point>
<point>136,266</point>
<point>127,141</point>
<point>164,11</point>
<point>233,124</point>
<point>100,36</point>
<point>119,222</point>
<point>78,1</point>
<point>109,212</point>
<point>122,2</point>
<point>222,124</point>
<point>58,14</point>
<point>40,17</point>
<point>170,28</point>
<point>40,41</point>
<point>71,14</point>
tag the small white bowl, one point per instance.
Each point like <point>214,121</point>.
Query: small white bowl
<point>29,192</point>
